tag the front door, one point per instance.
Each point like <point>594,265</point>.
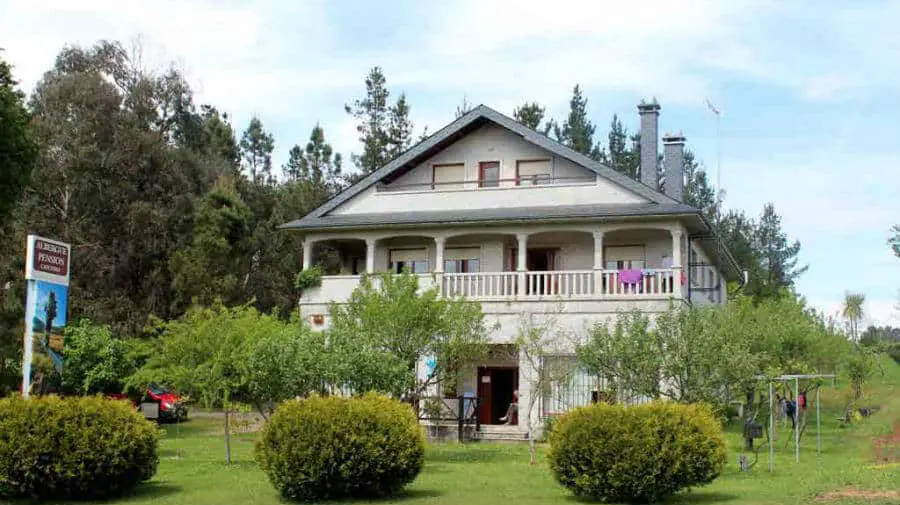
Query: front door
<point>495,392</point>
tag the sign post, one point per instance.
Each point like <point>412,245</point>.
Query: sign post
<point>47,271</point>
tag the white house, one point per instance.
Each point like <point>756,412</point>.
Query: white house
<point>489,209</point>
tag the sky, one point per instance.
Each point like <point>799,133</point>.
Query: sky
<point>808,90</point>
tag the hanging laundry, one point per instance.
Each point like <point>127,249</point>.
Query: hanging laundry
<point>630,276</point>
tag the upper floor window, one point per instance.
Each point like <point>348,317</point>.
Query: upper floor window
<point>461,260</point>
<point>489,174</point>
<point>624,257</point>
<point>448,176</point>
<point>411,260</point>
<point>532,172</point>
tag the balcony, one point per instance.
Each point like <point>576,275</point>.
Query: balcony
<point>657,283</point>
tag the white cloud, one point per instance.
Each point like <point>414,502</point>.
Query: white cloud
<point>825,87</point>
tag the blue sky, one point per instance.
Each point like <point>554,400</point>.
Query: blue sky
<point>808,89</point>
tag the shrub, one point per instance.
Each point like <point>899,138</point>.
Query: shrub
<point>330,447</point>
<point>636,454</point>
<point>73,448</point>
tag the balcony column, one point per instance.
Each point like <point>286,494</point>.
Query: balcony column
<point>439,264</point>
<point>307,253</point>
<point>522,254</point>
<point>676,261</point>
<point>370,255</point>
<point>598,261</point>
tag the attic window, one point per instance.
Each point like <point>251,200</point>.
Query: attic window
<point>532,172</point>
<point>448,176</point>
<point>489,174</point>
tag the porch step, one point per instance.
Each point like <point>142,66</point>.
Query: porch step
<point>501,433</point>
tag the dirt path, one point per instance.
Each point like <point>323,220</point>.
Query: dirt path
<point>887,448</point>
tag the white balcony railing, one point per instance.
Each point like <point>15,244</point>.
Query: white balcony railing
<point>480,285</point>
<point>566,284</point>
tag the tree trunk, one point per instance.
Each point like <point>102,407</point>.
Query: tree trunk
<point>227,437</point>
<point>262,412</point>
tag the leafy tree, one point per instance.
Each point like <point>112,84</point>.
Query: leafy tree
<point>284,364</point>
<point>875,334</point>
<point>205,355</point>
<point>387,327</point>
<point>577,131</point>
<point>710,354</point>
<point>628,354</point>
<point>619,155</point>
<point>531,114</point>
<point>373,115</point>
<point>543,348</point>
<point>853,312</point>
<point>18,150</point>
<point>122,168</point>
<point>256,149</point>
<point>96,361</point>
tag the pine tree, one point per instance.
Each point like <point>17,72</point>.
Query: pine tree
<point>697,191</point>
<point>894,241</point>
<point>256,149</point>
<point>399,130</point>
<point>531,114</point>
<point>577,131</point>
<point>777,254</point>
<point>623,151</point>
<point>317,164</point>
<point>373,115</point>
<point>463,108</point>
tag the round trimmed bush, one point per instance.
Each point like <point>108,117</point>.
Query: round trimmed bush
<point>329,447</point>
<point>80,448</point>
<point>636,454</point>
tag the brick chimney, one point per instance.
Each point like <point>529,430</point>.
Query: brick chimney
<point>649,113</point>
<point>673,160</point>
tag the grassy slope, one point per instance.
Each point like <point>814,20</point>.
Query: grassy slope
<point>192,468</point>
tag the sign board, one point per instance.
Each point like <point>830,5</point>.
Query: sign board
<point>47,271</point>
<point>47,260</point>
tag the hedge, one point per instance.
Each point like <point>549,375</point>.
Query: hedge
<point>636,454</point>
<point>330,447</point>
<point>81,448</point>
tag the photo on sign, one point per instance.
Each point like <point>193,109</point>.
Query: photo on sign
<point>51,307</point>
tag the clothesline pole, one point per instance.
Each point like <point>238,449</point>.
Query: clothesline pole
<point>796,419</point>
<point>818,425</point>
<point>771,432</point>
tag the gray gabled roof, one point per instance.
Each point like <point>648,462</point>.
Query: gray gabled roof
<point>475,117</point>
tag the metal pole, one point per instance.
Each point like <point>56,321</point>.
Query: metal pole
<point>796,420</point>
<point>771,432</point>
<point>818,425</point>
<point>28,352</point>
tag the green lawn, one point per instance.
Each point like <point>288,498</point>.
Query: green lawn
<point>192,468</point>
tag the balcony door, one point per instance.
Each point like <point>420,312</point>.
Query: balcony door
<point>540,260</point>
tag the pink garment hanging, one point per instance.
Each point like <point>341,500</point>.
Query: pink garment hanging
<point>631,276</point>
